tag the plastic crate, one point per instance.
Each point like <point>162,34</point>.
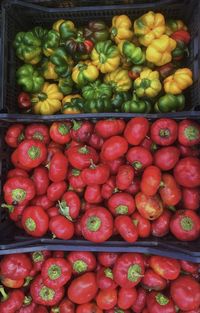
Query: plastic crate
<point>22,16</point>
<point>15,238</point>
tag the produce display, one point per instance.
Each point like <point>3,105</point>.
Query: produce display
<point>112,177</point>
<point>84,282</point>
<point>136,66</point>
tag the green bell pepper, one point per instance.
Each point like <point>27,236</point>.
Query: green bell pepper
<point>76,105</point>
<point>97,90</point>
<point>131,52</point>
<point>28,47</point>
<point>29,79</point>
<point>96,31</point>
<point>170,103</point>
<point>66,29</point>
<point>51,42</point>
<point>47,70</point>
<point>65,85</point>
<point>98,105</point>
<point>136,105</point>
<point>118,99</point>
<point>40,32</point>
<point>62,62</point>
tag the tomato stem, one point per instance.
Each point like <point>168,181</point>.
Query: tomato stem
<point>54,271</point>
<point>164,132</point>
<point>9,207</point>
<point>27,300</point>
<point>30,224</point>
<point>108,273</point>
<point>28,279</point>
<point>75,172</point>
<point>191,133</point>
<point>134,272</point>
<point>47,293</point>
<point>80,266</point>
<point>63,129</point>
<point>93,223</point>
<point>83,150</point>
<point>37,256</point>
<point>161,299</point>
<point>64,209</point>
<point>137,165</point>
<point>37,135</point>
<point>18,194</point>
<point>187,223</point>
<point>76,125</point>
<point>3,293</point>
<point>34,152</point>
<point>121,209</point>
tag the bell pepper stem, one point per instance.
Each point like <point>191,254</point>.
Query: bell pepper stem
<point>27,300</point>
<point>80,266</point>
<point>3,293</point>
<point>64,209</point>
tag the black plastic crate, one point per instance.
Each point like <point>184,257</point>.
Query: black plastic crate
<point>15,238</point>
<point>23,15</point>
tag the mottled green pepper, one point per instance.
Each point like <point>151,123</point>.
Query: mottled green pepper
<point>97,90</point>
<point>65,28</point>
<point>51,42</point>
<point>63,63</point>
<point>136,105</point>
<point>29,79</point>
<point>98,105</point>
<point>132,53</point>
<point>118,99</point>
<point>97,31</point>
<point>170,103</point>
<point>65,85</point>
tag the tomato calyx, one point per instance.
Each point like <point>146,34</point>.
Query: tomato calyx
<point>63,129</point>
<point>30,224</point>
<point>80,266</point>
<point>64,209</point>
<point>134,272</point>
<point>18,194</point>
<point>76,125</point>
<point>9,207</point>
<point>3,293</point>
<point>191,133</point>
<point>55,310</point>
<point>47,293</point>
<point>83,150</point>
<point>93,223</point>
<point>121,209</point>
<point>54,272</point>
<point>161,299</point>
<point>108,273</point>
<point>38,136</point>
<point>27,300</point>
<point>75,172</point>
<point>164,132</point>
<point>187,223</point>
<point>42,96</point>
<point>28,279</point>
<point>137,165</point>
<point>20,137</point>
<point>37,256</point>
<point>34,152</point>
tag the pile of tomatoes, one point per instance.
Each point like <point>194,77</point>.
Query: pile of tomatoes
<point>114,177</point>
<point>84,282</point>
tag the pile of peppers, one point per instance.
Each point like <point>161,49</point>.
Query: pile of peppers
<point>104,282</point>
<point>128,66</point>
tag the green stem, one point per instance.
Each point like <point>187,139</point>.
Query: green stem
<point>187,223</point>
<point>161,299</point>
<point>3,293</point>
<point>80,266</point>
<point>93,223</point>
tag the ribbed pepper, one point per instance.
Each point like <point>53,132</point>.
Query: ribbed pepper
<point>97,90</point>
<point>96,31</point>
<point>65,85</point>
<point>48,70</point>
<point>84,73</point>
<point>121,28</point>
<point>51,42</point>
<point>97,105</point>
<point>170,103</point>
<point>173,25</point>
<point>29,79</point>
<point>118,99</point>
<point>179,81</point>
<point>136,105</point>
<point>72,104</point>
<point>65,28</point>
<point>63,63</point>
<point>147,84</point>
<point>119,80</point>
<point>132,53</point>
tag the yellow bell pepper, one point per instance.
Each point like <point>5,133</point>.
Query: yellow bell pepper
<point>72,104</point>
<point>147,84</point>
<point>148,27</point>
<point>48,70</point>
<point>173,26</point>
<point>159,50</point>
<point>48,101</point>
<point>84,72</point>
<point>179,81</point>
<point>119,79</point>
<point>68,98</point>
<point>121,28</point>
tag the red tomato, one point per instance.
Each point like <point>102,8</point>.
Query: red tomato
<point>185,292</point>
<point>149,144</point>
<point>126,298</point>
<point>14,211</point>
<point>31,153</point>
<point>188,133</point>
<point>165,267</point>
<point>159,303</point>
<point>153,281</point>
<point>17,172</point>
<point>140,302</point>
<point>136,130</point>
<point>149,207</point>
<point>189,267</point>
<point>70,205</point>
<point>75,179</point>
<point>58,167</point>
<point>61,227</point>
<point>193,151</point>
<point>93,194</point>
<point>121,203</point>
<point>80,156</point>
<point>14,135</point>
<point>134,187</point>
<point>16,163</point>
<point>139,158</point>
<point>82,261</point>
<point>60,132</point>
<point>97,224</point>
<point>187,172</point>
<point>114,165</point>
<point>169,191</point>
<point>11,283</point>
<point>185,225</point>
<point>107,299</point>
<point>109,188</point>
<point>41,180</point>
<point>164,131</point>
<point>15,266</point>
<point>166,158</point>
<point>191,198</point>
<point>114,148</point>
<point>83,288</point>
<point>107,259</point>
<point>66,306</point>
<point>151,180</point>
<point>96,141</point>
<point>88,308</point>
<point>126,228</point>
<point>96,174</point>
<point>124,176</point>
<point>38,132</point>
<point>56,190</point>
<point>142,224</point>
<point>81,131</point>
<point>110,127</point>
<point>105,278</point>
<point>42,201</point>
<point>160,226</point>
<point>35,221</point>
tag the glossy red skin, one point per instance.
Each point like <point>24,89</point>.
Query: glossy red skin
<point>24,100</point>
<point>58,254</point>
<point>80,156</point>
<point>41,309</point>
<point>142,224</point>
<point>85,256</point>
<point>19,182</point>
<point>42,201</point>
<point>108,188</point>
<point>96,174</point>
<point>188,151</point>
<point>105,230</point>
<point>16,163</point>
<point>154,307</point>
<point>23,153</point>
<point>40,218</point>
<point>166,158</point>
<point>136,130</point>
<point>170,193</point>
<point>56,190</point>
<point>38,132</point>
<point>145,310</point>
<point>13,303</point>
<point>14,135</point>
<point>185,292</point>
<point>41,180</point>
<point>66,306</point>
<point>61,227</point>
<point>114,165</point>
<point>187,172</point>
<point>109,127</point>
<point>77,228</point>
<point>165,267</point>
<point>139,158</point>
<point>12,283</point>
<point>58,167</point>
<point>124,176</point>
<point>126,298</point>
<point>107,259</point>
<point>57,135</point>
<point>104,280</point>
<point>35,290</point>
<point>88,308</point>
<point>30,308</point>
<point>71,205</point>
<point>160,226</point>
<point>188,133</point>
<point>134,187</point>
<point>93,194</point>
<point>96,141</point>
<point>52,148</point>
<point>140,302</point>
<point>114,148</point>
<point>191,198</point>
<point>38,259</point>
<point>126,228</point>
<point>163,125</point>
<point>121,203</point>
<point>17,172</point>
<point>83,288</point>
<point>122,267</point>
<point>81,131</point>
<point>181,35</point>
<point>153,281</point>
<point>187,219</point>
<point>189,267</point>
<point>151,180</point>
<point>149,207</point>
<point>15,266</point>
<point>15,212</point>
<point>65,275</point>
<point>75,179</point>
<point>148,144</point>
<point>106,299</point>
